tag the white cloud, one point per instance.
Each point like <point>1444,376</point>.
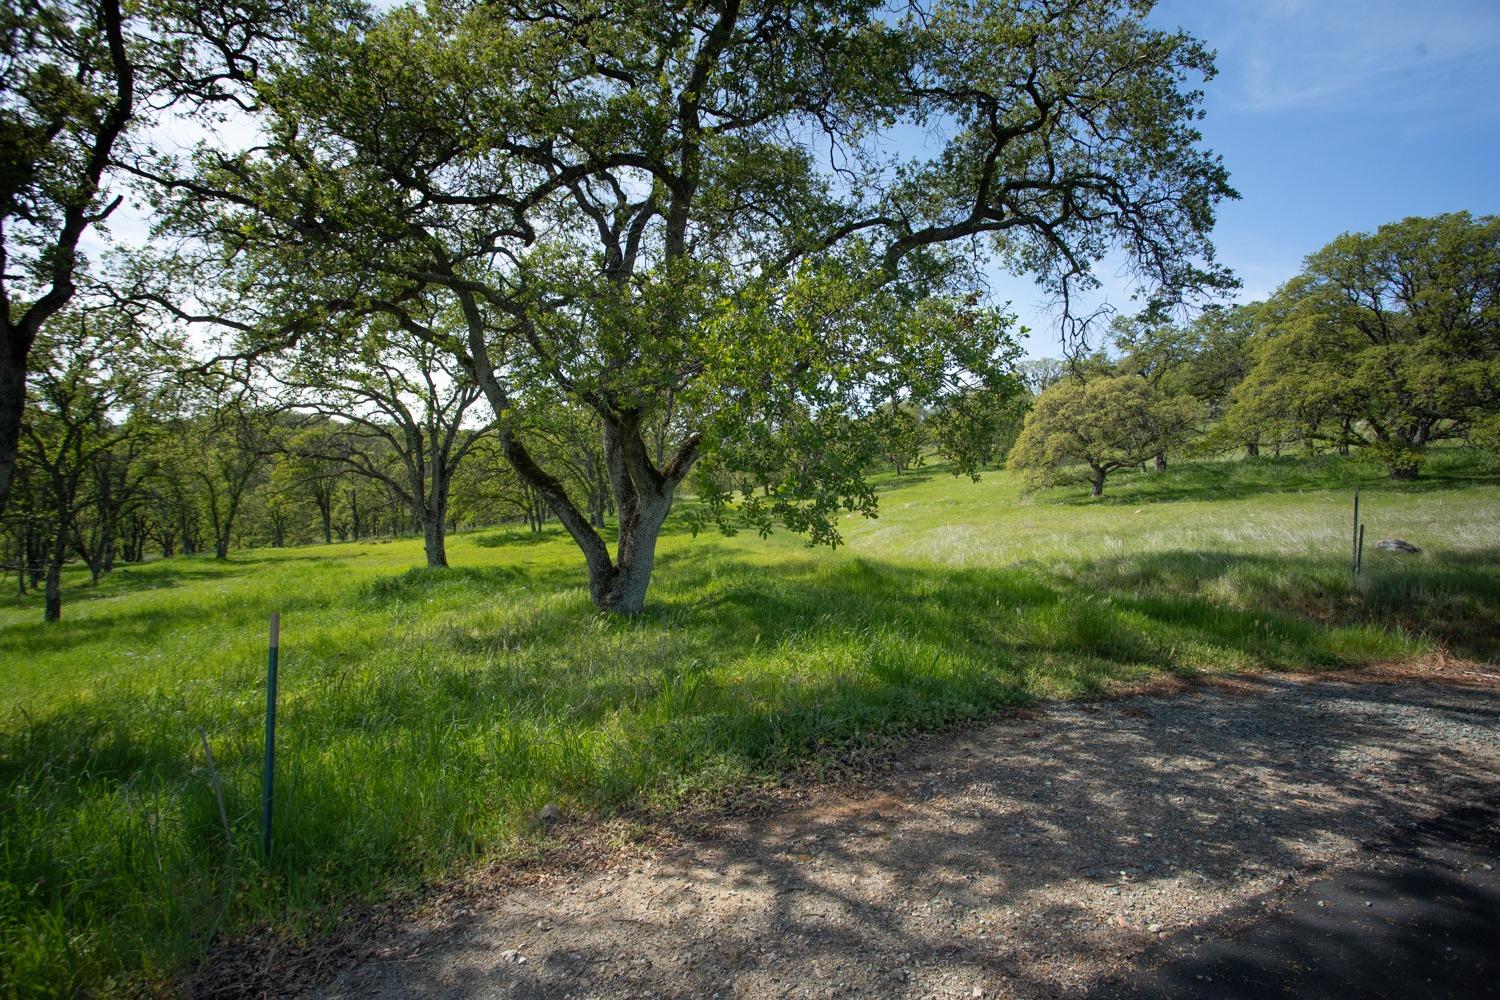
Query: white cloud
<point>1343,56</point>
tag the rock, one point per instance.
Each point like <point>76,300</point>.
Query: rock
<point>977,993</point>
<point>1154,928</point>
<point>513,956</point>
<point>1397,545</point>
<point>549,815</point>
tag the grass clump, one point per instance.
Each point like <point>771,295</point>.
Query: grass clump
<point>427,713</point>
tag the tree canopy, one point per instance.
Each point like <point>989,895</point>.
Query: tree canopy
<point>1388,341</point>
<point>691,220</point>
<point>1104,424</point>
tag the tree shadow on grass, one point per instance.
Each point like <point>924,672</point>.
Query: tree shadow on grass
<point>1245,478</point>
<point>400,744</point>
<point>130,579</point>
<point>515,537</point>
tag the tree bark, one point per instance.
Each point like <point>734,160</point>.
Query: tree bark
<point>434,541</point>
<point>1252,449</point>
<point>53,610</point>
<point>1097,482</point>
<point>621,590</point>
<point>1161,461</point>
<point>12,400</point>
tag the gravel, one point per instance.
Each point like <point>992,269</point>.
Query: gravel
<point>1030,857</point>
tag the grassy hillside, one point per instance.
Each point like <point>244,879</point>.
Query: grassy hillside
<point>426,714</point>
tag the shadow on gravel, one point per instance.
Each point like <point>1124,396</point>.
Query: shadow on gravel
<point>1022,859</point>
<point>1426,925</point>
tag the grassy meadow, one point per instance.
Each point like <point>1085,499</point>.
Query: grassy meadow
<point>425,715</point>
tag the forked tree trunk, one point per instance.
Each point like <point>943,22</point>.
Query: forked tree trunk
<point>643,492</point>
<point>621,589</point>
<point>643,498</point>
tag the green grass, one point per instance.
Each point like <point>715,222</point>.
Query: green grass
<point>426,714</point>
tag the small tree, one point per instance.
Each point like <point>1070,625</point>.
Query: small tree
<point>1105,424</point>
<point>224,439</point>
<point>902,433</point>
<point>979,429</point>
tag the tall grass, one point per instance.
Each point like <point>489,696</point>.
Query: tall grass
<point>427,714</point>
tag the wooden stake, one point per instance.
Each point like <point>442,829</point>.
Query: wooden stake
<point>1354,536</point>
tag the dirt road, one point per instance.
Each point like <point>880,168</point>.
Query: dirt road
<point>1056,855</point>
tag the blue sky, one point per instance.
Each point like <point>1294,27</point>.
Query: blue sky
<point>1335,116</point>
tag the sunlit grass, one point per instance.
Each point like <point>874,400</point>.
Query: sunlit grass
<point>427,714</point>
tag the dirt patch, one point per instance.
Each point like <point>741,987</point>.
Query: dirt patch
<point>1030,857</point>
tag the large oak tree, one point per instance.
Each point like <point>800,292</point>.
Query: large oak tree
<point>700,219</point>
<point>1388,341</point>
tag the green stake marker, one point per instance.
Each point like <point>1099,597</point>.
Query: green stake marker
<point>268,772</point>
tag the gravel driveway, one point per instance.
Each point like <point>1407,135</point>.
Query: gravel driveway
<point>1030,857</point>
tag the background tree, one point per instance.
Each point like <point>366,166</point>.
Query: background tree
<point>1040,374</point>
<point>1105,424</point>
<point>67,95</point>
<point>902,433</point>
<point>223,440</point>
<point>403,413</point>
<point>1221,358</point>
<point>1388,341</point>
<point>90,376</point>
<point>75,76</point>
<point>1157,351</point>
<point>979,429</point>
<point>314,464</point>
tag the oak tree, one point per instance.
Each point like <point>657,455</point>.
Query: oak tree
<point>691,220</point>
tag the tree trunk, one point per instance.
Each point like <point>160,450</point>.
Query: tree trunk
<point>434,541</point>
<point>1161,461</point>
<point>1097,482</point>
<point>1252,449</point>
<point>621,589</point>
<point>12,400</point>
<point>54,577</point>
